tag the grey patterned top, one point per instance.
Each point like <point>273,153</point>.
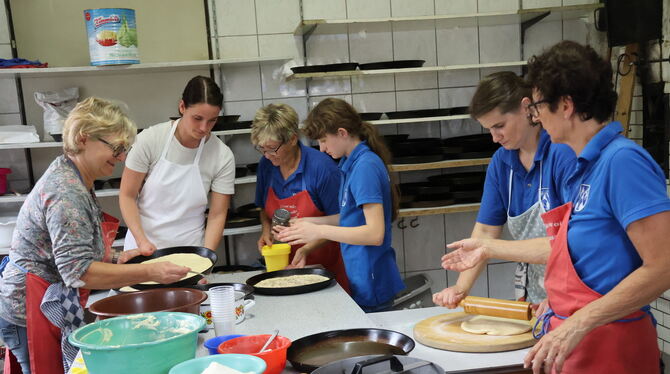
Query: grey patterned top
<point>57,237</point>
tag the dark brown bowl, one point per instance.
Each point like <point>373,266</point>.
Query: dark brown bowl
<point>185,300</point>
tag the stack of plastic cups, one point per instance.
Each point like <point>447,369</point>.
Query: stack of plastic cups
<point>222,301</point>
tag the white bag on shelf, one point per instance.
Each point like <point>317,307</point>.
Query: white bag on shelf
<point>18,134</point>
<point>57,105</point>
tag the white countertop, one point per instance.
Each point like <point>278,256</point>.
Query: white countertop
<point>297,316</point>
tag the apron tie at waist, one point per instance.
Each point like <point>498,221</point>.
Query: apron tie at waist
<point>545,319</point>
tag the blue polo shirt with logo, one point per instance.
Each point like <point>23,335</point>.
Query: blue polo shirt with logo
<point>616,182</point>
<point>372,270</point>
<point>556,161</point>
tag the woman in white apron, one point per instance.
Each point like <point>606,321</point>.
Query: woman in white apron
<point>519,184</point>
<point>170,172</point>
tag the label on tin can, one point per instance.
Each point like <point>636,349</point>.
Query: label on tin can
<point>112,36</point>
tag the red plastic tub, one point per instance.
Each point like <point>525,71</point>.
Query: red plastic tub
<point>274,356</point>
<point>3,179</point>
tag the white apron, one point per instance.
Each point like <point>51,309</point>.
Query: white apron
<point>528,278</point>
<point>172,203</point>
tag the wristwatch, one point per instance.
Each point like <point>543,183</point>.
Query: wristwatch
<point>115,255</point>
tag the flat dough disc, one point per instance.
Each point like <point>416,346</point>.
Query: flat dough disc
<point>193,261</point>
<point>494,326</point>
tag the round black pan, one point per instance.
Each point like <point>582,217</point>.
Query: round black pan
<point>380,364</point>
<point>325,68</point>
<point>398,64</point>
<point>201,251</point>
<point>310,352</point>
<point>291,290</point>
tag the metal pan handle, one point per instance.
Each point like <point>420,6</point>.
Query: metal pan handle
<point>396,365</point>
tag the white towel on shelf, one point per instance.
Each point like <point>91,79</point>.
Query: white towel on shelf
<point>12,134</point>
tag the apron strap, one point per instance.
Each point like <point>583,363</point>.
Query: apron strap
<point>509,190</point>
<point>6,261</point>
<point>545,319</point>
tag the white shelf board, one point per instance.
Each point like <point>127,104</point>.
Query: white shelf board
<point>134,68</point>
<point>232,132</point>
<point>440,164</point>
<point>242,230</point>
<point>12,198</point>
<point>4,251</point>
<point>447,209</point>
<point>31,145</point>
<point>419,119</point>
<point>482,19</point>
<point>245,180</point>
<point>358,73</point>
<point>106,192</point>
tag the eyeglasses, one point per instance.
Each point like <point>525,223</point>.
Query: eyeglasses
<point>116,149</point>
<point>263,151</point>
<point>532,107</point>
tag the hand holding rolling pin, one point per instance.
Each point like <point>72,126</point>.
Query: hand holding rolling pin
<point>449,297</point>
<point>467,254</point>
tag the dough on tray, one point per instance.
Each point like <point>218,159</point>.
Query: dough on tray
<point>291,281</point>
<point>193,261</point>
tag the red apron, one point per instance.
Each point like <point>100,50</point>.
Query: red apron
<point>625,346</point>
<point>44,339</point>
<point>301,205</point>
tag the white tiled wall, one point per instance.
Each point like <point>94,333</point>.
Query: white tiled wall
<point>419,248</point>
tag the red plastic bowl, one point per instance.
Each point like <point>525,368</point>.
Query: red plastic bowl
<point>275,356</point>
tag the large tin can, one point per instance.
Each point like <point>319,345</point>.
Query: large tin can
<point>112,36</point>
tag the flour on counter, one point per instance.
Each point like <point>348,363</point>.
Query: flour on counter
<point>216,368</point>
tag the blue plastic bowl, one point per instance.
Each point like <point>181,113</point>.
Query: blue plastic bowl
<point>150,342</point>
<point>213,344</point>
<point>243,363</point>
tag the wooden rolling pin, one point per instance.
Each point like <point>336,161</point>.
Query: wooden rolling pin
<point>497,308</point>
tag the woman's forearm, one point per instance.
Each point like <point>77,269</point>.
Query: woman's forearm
<point>467,278</point>
<point>532,251</point>
<point>103,276</point>
<point>325,220</point>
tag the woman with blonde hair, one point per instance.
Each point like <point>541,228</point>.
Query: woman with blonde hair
<point>368,204</point>
<point>61,246</point>
<point>297,178</point>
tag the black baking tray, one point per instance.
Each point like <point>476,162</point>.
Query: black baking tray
<point>398,64</point>
<point>417,159</point>
<point>419,113</point>
<point>416,147</point>
<point>201,251</point>
<point>459,180</point>
<point>370,116</point>
<point>235,221</point>
<point>344,66</point>
<point>470,155</point>
<point>241,171</point>
<point>232,125</point>
<point>423,188</point>
<point>453,111</point>
<point>222,119</point>
<point>249,210</point>
<point>291,290</point>
<point>253,167</point>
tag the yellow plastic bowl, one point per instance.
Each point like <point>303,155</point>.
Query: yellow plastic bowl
<point>276,256</point>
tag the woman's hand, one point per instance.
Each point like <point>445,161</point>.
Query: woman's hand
<point>125,256</point>
<point>265,239</point>
<point>299,259</point>
<point>467,254</point>
<point>449,297</point>
<point>300,232</point>
<point>541,308</point>
<point>146,247</point>
<point>166,272</point>
<point>554,347</point>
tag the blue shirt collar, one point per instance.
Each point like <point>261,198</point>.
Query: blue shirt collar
<point>512,157</point>
<point>347,162</point>
<point>599,141</point>
<point>299,170</point>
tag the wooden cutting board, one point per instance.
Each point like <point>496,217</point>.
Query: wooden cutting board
<point>444,332</point>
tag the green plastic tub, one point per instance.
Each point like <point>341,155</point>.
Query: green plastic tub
<point>148,343</point>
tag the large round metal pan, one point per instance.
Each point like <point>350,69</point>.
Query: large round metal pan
<point>310,352</point>
<point>291,290</point>
<point>373,364</point>
<point>398,64</point>
<point>201,251</point>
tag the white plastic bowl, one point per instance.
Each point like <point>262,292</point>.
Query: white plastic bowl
<point>7,225</point>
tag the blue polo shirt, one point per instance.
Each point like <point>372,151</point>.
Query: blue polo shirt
<point>616,182</point>
<point>372,270</point>
<point>558,161</point>
<point>318,172</point>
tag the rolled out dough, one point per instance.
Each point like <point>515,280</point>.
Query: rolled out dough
<point>494,326</point>
<point>193,261</point>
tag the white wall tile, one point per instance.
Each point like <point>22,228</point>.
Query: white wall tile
<point>529,4</point>
<point>459,226</point>
<point>420,130</point>
<point>666,320</point>
<point>8,97</point>
<point>635,131</point>
<point>297,103</point>
<point>415,41</point>
<point>416,81</point>
<point>397,243</point>
<point>487,6</point>
<point>455,6</point>
<point>540,36</point>
<point>658,315</point>
<point>372,83</point>
<point>501,280</point>
<point>663,305</point>
<point>460,127</point>
<point>438,282</point>
<point>420,99</point>
<point>480,288</point>
<point>499,43</point>
<point>277,16</point>
<point>452,97</point>
<point>375,102</point>
<point>457,45</point>
<point>666,348</point>
<point>238,46</point>
<point>329,44</point>
<point>235,17</point>
<point>324,9</point>
<point>368,8</point>
<point>666,294</point>
<point>424,244</point>
<point>280,45</point>
<point>663,333</point>
<point>10,119</point>
<point>273,85</point>
<point>575,30</point>
<point>314,100</point>
<point>578,2</point>
<point>241,82</point>
<point>246,109</point>
<point>458,78</point>
<point>5,51</point>
<point>370,42</point>
<point>330,86</point>
<point>412,8</point>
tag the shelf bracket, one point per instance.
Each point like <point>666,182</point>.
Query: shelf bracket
<point>525,25</point>
<point>308,31</point>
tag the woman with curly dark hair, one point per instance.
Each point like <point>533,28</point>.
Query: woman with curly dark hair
<point>608,253</point>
